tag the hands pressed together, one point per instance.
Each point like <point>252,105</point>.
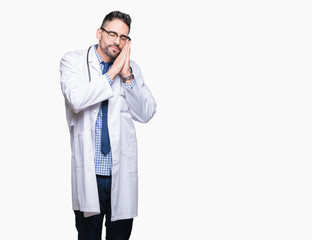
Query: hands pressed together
<point>121,64</point>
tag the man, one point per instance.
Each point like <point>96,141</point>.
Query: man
<point>104,90</point>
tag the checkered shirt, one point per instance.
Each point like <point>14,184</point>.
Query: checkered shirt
<point>103,162</point>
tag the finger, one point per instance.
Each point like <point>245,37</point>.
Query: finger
<point>122,55</point>
<point>127,46</point>
<point>129,50</point>
<point>120,60</point>
<point>124,51</point>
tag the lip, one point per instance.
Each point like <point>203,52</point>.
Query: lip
<point>115,48</point>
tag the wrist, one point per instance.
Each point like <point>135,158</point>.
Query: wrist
<point>111,73</point>
<point>127,73</point>
<point>128,78</point>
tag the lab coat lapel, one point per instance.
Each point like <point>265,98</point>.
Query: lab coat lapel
<point>93,61</point>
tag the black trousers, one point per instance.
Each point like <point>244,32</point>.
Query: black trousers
<point>90,228</point>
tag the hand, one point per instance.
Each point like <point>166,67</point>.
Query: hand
<point>125,71</point>
<point>121,63</point>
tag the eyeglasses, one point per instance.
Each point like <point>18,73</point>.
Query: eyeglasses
<point>112,36</point>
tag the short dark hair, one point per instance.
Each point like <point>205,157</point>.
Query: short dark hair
<point>117,15</point>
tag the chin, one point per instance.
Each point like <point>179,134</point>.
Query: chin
<point>114,55</point>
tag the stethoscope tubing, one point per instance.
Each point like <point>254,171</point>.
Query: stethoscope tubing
<point>88,63</point>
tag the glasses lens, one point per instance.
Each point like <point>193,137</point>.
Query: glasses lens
<point>123,37</point>
<point>112,36</point>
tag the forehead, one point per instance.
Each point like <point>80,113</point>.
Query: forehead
<point>117,26</point>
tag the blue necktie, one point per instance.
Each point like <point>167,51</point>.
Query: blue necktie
<point>105,143</point>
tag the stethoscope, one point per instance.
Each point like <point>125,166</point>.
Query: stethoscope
<point>122,94</point>
<point>88,63</point>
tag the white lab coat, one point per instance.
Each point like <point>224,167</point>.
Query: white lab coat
<point>82,102</point>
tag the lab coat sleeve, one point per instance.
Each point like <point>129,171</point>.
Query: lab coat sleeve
<point>140,100</point>
<point>79,93</point>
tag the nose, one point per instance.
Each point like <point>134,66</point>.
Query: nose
<point>117,40</point>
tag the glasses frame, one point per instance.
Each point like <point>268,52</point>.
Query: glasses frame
<point>116,34</point>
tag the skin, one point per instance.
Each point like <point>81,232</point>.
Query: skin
<point>118,49</point>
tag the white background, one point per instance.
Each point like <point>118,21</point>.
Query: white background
<point>228,153</point>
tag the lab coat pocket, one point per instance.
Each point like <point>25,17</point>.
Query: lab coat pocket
<point>132,156</point>
<point>123,104</point>
<point>83,149</point>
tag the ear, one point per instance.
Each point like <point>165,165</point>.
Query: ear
<point>99,34</point>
